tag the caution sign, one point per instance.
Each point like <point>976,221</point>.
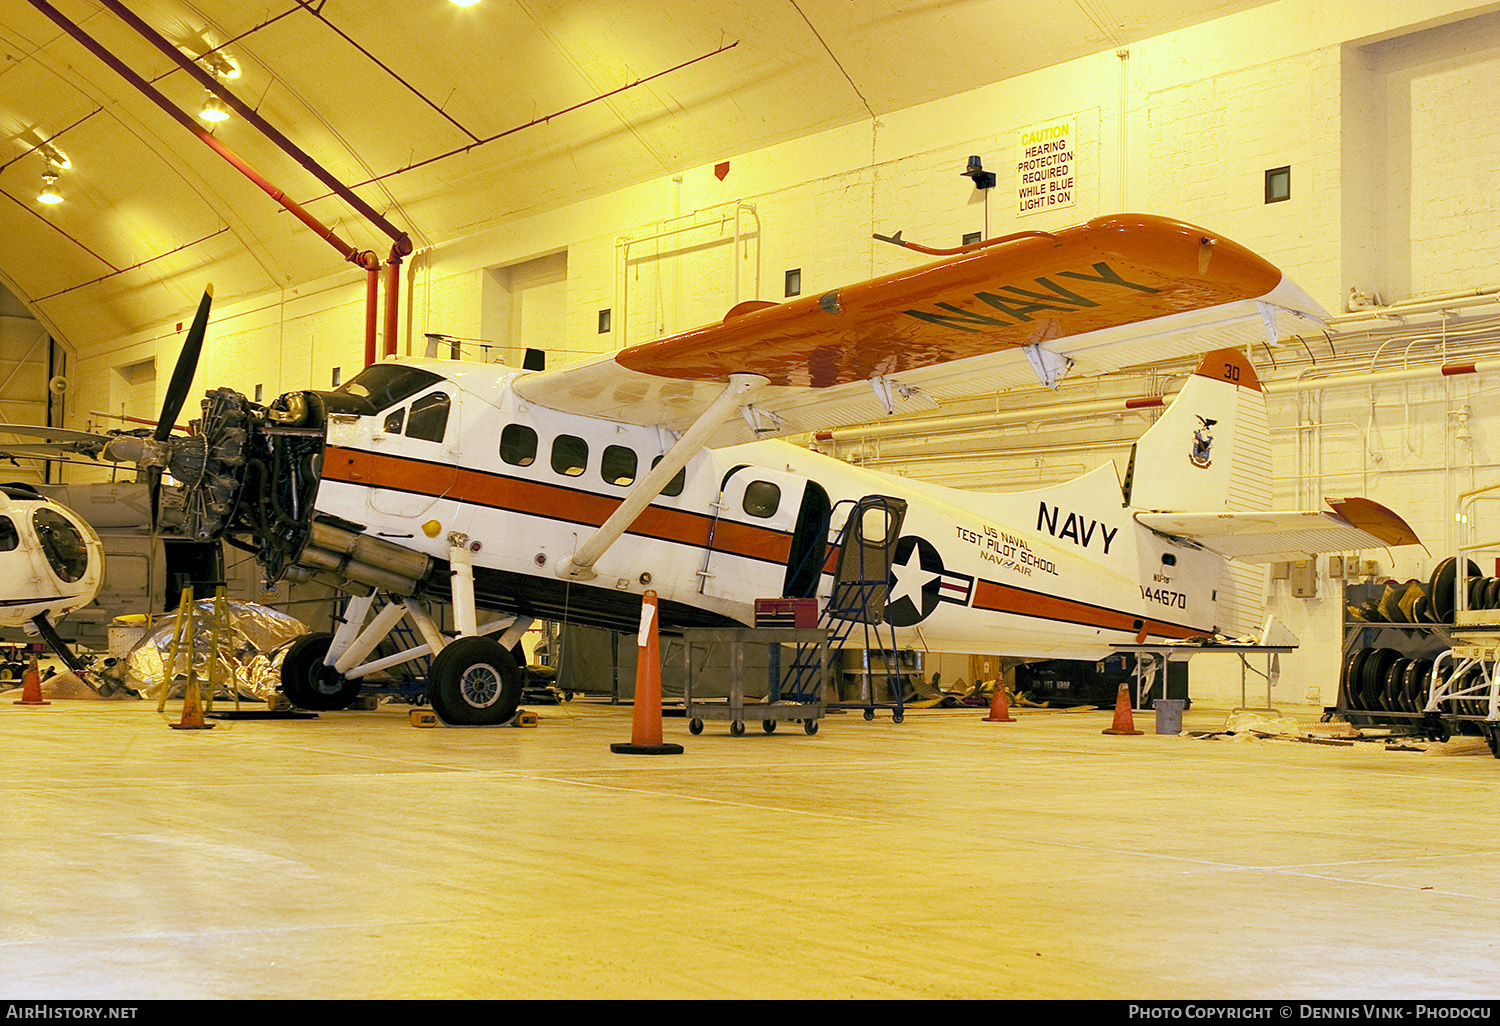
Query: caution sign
<point>1046,170</point>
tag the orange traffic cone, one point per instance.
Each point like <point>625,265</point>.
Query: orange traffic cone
<point>192,710</point>
<point>1124,720</point>
<point>999,705</point>
<point>31,686</point>
<point>645,737</point>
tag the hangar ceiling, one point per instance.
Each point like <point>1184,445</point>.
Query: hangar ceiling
<point>440,118</point>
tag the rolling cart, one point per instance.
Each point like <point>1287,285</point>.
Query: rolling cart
<point>806,708</point>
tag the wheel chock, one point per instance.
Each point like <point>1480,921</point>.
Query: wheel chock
<point>424,718</point>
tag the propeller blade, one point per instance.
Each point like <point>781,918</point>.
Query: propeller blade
<point>60,434</point>
<point>187,365</point>
<point>33,449</point>
<point>153,485</point>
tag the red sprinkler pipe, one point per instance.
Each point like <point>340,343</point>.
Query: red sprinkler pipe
<point>392,290</point>
<point>244,110</point>
<point>372,304</point>
<point>149,91</point>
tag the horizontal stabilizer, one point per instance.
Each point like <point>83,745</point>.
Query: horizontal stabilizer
<point>1256,537</point>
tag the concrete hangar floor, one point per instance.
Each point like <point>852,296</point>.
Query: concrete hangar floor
<point>357,856</point>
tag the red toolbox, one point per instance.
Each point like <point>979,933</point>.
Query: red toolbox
<point>786,612</point>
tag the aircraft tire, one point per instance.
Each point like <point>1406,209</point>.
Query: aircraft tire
<point>307,683</point>
<point>474,682</point>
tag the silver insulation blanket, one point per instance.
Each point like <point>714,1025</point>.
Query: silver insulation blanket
<point>248,638</point>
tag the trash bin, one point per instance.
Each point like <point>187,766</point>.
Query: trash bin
<point>1169,715</point>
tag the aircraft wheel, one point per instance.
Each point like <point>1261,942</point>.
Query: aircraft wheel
<point>474,682</point>
<point>11,671</point>
<point>309,684</point>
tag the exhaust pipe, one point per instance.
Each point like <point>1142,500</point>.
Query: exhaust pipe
<point>334,552</point>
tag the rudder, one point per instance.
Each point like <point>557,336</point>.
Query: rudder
<point>1211,449</point>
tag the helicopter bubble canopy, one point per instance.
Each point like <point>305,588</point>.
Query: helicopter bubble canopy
<point>51,562</point>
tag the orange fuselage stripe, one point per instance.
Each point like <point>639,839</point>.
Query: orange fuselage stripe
<point>575,505</point>
<point>1003,598</point>
<point>554,502</point>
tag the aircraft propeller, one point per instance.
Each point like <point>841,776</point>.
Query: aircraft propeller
<point>154,454</point>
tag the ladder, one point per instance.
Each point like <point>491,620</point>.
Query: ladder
<point>863,550</point>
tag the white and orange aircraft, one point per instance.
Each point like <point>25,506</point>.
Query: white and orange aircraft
<point>566,493</point>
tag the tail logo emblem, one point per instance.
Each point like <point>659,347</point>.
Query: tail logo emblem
<point>1201,455</point>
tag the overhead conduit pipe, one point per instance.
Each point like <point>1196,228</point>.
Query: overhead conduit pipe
<point>401,243</point>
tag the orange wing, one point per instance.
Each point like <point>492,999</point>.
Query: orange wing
<point>1109,293</point>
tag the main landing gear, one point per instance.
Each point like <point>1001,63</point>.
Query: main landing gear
<point>473,679</point>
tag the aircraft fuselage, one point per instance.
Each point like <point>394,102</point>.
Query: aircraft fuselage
<point>1057,572</point>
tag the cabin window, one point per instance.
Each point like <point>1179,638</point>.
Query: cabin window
<point>874,525</point>
<point>9,539</point>
<point>394,420</point>
<point>518,445</point>
<point>617,465</point>
<point>761,499</point>
<point>679,479</point>
<point>570,455</point>
<point>63,546</point>
<point>429,417</point>
<point>383,385</point>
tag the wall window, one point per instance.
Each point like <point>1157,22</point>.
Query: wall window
<point>518,445</point>
<point>762,498</point>
<point>1278,184</point>
<point>794,282</point>
<point>617,465</point>
<point>429,417</point>
<point>570,455</point>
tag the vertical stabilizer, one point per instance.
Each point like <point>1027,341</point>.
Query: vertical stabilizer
<point>1211,449</point>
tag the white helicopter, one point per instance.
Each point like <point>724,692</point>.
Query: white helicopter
<point>566,493</point>
<point>51,562</point>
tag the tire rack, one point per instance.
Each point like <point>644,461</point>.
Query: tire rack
<point>1431,661</point>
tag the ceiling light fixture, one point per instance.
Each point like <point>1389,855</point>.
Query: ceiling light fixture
<point>49,194</point>
<point>54,156</point>
<point>463,3</point>
<point>213,109</point>
<point>221,65</point>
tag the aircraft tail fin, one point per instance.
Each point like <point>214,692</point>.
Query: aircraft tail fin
<point>1211,449</point>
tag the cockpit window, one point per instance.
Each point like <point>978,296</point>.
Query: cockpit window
<point>386,384</point>
<point>9,539</point>
<point>429,417</point>
<point>63,546</point>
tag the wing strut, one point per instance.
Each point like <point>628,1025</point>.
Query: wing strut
<point>580,565</point>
